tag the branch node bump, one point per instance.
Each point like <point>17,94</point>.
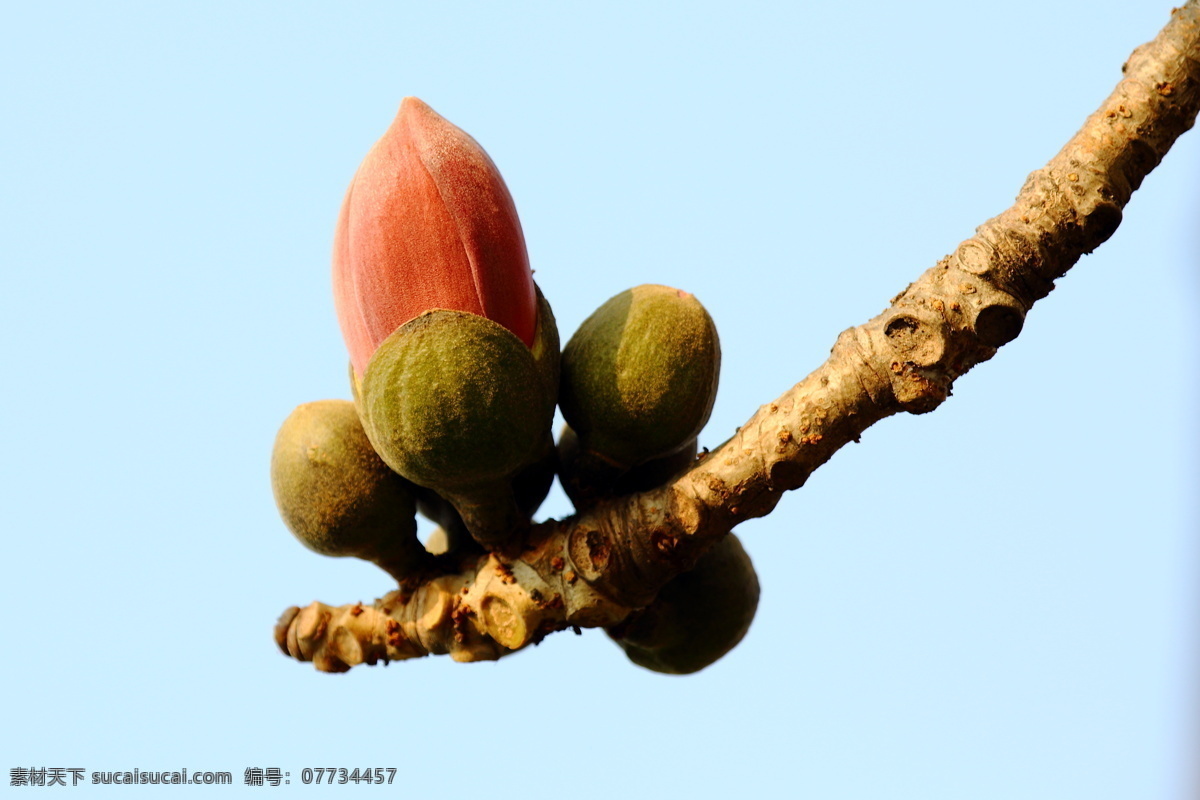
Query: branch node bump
<point>999,323</point>
<point>918,341</point>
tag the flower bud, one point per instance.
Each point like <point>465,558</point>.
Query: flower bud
<point>454,352</point>
<point>698,617</point>
<point>337,496</point>
<point>639,377</point>
<point>458,404</point>
<point>427,223</point>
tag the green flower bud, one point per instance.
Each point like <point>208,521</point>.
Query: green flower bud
<point>698,617</point>
<point>457,403</point>
<point>639,377</point>
<point>337,496</point>
<point>547,353</point>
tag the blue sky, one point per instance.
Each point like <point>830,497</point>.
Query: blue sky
<point>996,600</point>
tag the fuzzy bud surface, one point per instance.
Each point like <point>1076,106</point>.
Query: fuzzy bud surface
<point>428,223</point>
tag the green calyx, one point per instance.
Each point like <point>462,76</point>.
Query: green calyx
<point>698,617</point>
<point>547,352</point>
<point>451,400</point>
<point>337,496</point>
<point>640,375</point>
<point>457,403</point>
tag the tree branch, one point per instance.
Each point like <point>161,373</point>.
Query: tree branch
<point>591,570</point>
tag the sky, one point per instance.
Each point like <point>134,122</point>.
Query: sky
<point>995,600</point>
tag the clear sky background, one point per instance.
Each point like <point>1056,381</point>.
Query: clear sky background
<point>997,600</point>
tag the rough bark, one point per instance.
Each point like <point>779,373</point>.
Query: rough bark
<point>592,569</point>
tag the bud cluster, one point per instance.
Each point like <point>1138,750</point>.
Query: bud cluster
<point>456,371</point>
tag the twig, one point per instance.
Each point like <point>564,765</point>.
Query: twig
<point>591,570</point>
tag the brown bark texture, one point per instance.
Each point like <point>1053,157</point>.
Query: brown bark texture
<point>593,569</point>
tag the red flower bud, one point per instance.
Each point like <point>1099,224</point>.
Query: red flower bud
<point>427,223</point>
